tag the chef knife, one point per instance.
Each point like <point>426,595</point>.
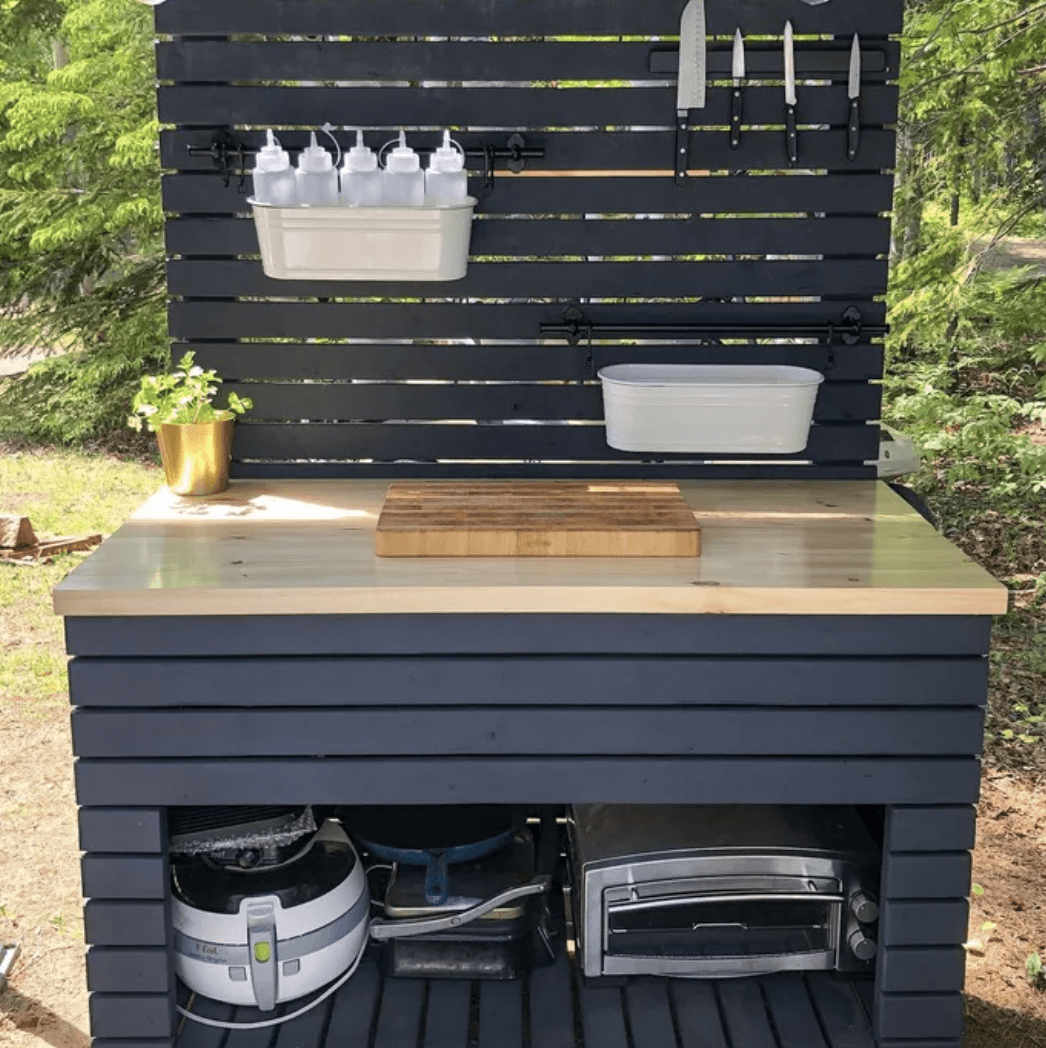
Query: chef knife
<point>853,129</point>
<point>739,75</point>
<point>691,86</point>
<point>791,137</point>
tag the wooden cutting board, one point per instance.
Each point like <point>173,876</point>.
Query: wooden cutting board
<point>536,519</point>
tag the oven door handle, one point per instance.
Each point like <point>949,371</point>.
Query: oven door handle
<point>686,900</point>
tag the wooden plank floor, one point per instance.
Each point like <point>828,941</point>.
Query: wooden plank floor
<point>554,1009</point>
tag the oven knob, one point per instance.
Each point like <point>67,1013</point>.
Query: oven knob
<point>862,945</point>
<point>864,907</point>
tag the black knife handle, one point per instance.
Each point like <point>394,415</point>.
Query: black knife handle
<point>682,148</point>
<point>791,135</point>
<point>735,118</point>
<point>853,130</point>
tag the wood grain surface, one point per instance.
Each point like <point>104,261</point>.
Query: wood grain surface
<point>297,547</point>
<point>534,519</point>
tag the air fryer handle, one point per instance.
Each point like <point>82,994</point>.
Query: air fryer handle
<point>382,929</point>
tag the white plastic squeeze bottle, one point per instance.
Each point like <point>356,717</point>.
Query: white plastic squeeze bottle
<point>317,179</point>
<point>445,179</point>
<point>360,177</point>
<point>403,181</point>
<point>274,181</point>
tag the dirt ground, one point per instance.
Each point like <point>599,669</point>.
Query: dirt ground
<point>40,901</point>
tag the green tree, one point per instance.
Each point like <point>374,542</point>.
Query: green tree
<point>81,261</point>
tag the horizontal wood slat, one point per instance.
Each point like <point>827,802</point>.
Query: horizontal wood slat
<point>535,680</point>
<point>509,780</point>
<point>930,829</point>
<point>124,876</point>
<point>511,238</point>
<point>127,1015</point>
<point>920,1015</point>
<point>119,923</point>
<point>126,970</point>
<point>850,193</point>
<point>921,970</point>
<point>865,278</point>
<point>524,107</point>
<point>366,320</point>
<point>925,922</point>
<point>870,636</point>
<point>390,361</point>
<point>191,60</point>
<point>128,830</point>
<point>933,875</point>
<point>475,730</point>
<point>394,441</point>
<point>840,402</point>
<point>445,18</point>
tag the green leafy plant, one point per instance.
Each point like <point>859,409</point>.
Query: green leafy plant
<point>182,398</point>
<point>1033,969</point>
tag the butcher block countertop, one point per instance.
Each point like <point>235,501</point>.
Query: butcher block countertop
<point>306,547</point>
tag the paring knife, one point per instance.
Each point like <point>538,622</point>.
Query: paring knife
<point>853,129</point>
<point>791,135</point>
<point>691,87</point>
<point>735,103</point>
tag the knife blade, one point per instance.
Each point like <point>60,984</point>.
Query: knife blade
<point>853,129</point>
<point>791,134</point>
<point>690,92</point>
<point>735,102</point>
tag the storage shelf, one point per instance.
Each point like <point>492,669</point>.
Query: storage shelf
<point>554,1008</point>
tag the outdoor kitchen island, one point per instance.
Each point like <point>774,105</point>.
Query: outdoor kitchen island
<point>827,647</point>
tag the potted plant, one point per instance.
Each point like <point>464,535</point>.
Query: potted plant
<point>195,437</point>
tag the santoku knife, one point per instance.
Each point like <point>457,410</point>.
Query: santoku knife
<point>791,135</point>
<point>691,86</point>
<point>853,129</point>
<point>735,103</point>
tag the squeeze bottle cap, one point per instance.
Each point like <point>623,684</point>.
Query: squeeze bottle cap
<point>359,157</point>
<point>271,156</point>
<point>402,160</point>
<point>448,157</point>
<point>314,157</point>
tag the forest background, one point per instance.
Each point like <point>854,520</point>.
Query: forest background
<point>82,269</point>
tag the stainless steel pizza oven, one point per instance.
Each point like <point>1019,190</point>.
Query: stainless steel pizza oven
<point>719,891</point>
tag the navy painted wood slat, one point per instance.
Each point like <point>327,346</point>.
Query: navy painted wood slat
<point>127,1015</point>
<point>128,830</point>
<point>507,780</point>
<point>859,278</point>
<point>531,681</point>
<point>744,1013</point>
<point>214,61</point>
<point>839,402</point>
<point>196,1035</point>
<point>390,361</point>
<point>399,1022</point>
<point>478,730</point>
<point>602,1015</point>
<point>447,1014</point>
<point>524,107</point>
<point>930,969</point>
<point>923,922</point>
<point>501,1015</point>
<point>509,18</point>
<point>934,875</point>
<point>551,1005</point>
<point>930,829</point>
<point>224,320</point>
<point>137,1042</point>
<point>796,1024</point>
<point>392,441</point>
<point>128,970</point>
<point>851,193</point>
<point>920,1015</point>
<point>514,238</point>
<point>650,1018</point>
<point>124,876</point>
<point>697,1012</point>
<point>120,923</point>
<point>354,1006</point>
<point>306,1030</point>
<point>843,1024</point>
<point>369,636</point>
<point>327,469</point>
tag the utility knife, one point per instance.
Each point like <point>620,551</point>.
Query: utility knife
<point>735,100</point>
<point>791,134</point>
<point>853,127</point>
<point>690,93</point>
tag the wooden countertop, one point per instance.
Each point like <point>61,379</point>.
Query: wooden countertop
<point>307,547</point>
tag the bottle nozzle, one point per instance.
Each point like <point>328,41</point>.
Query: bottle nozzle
<point>270,139</point>
<point>359,138</point>
<point>403,140</point>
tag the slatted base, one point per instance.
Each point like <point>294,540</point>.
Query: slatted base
<point>555,1009</point>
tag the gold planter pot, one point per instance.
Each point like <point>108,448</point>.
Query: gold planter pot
<point>196,457</point>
